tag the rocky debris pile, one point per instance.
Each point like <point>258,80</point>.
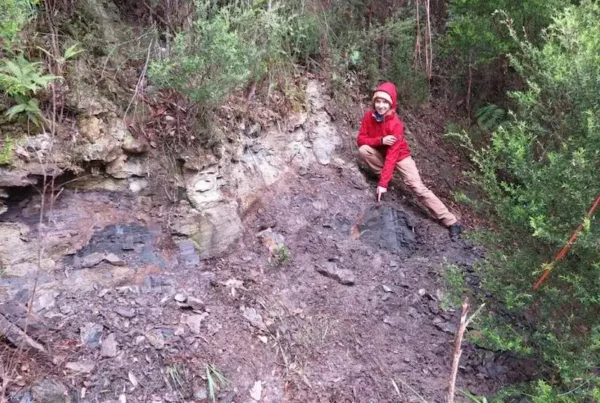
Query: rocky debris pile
<point>386,227</point>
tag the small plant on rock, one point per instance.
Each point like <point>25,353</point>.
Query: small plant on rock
<point>280,256</point>
<point>214,381</point>
<point>20,79</point>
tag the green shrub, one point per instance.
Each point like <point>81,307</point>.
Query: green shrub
<point>540,174</point>
<point>228,46</point>
<point>20,79</point>
<point>14,15</point>
<point>207,62</point>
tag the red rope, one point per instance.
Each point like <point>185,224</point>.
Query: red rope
<point>563,252</point>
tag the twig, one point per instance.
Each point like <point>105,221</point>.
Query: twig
<point>428,44</point>
<point>464,322</point>
<point>139,82</point>
<point>563,252</point>
<point>409,387</point>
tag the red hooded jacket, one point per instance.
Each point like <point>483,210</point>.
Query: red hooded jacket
<point>372,132</point>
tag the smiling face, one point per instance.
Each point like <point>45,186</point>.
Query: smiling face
<point>382,106</point>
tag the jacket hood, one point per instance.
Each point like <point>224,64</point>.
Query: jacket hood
<point>390,89</point>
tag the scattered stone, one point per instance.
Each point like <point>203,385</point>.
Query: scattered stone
<point>272,240</point>
<point>84,367</point>
<point>386,288</point>
<point>90,334</point>
<point>114,260</point>
<point>407,359</point>
<point>264,339</point>
<point>254,318</point>
<point>342,276</point>
<point>195,303</point>
<point>48,390</point>
<point>180,298</point>
<point>125,312</point>
<point>385,297</point>
<point>447,327</point>
<point>139,340</point>
<point>122,398</point>
<point>134,146</point>
<point>180,331</point>
<point>103,292</point>
<point>434,308</point>
<point>136,185</point>
<point>109,346</point>
<point>385,227</point>
<point>422,292</point>
<point>156,339</point>
<point>413,312</point>
<point>388,321</point>
<point>92,260</point>
<point>17,336</point>
<point>213,327</point>
<point>256,391</point>
<point>201,394</point>
<point>45,300</point>
<point>133,379</point>
<point>195,322</point>
<point>66,309</point>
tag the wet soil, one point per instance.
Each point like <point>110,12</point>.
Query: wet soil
<point>264,317</point>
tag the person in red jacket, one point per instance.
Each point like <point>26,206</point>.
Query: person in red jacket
<point>381,145</point>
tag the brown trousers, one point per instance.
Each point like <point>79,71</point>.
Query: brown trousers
<point>411,178</point>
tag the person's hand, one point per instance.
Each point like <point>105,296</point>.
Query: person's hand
<point>388,140</point>
<point>380,191</point>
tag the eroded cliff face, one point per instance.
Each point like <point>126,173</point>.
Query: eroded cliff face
<point>116,179</point>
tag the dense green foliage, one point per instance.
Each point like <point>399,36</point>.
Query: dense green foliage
<point>540,174</point>
<point>14,14</point>
<point>233,45</point>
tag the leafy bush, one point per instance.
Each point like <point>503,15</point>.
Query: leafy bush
<point>229,46</point>
<point>382,51</point>
<point>207,62</point>
<point>540,174</point>
<point>14,15</point>
<point>476,42</point>
<point>21,79</point>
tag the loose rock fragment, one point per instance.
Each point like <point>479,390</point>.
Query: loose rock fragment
<point>133,379</point>
<point>109,346</point>
<point>85,367</point>
<point>195,322</point>
<point>254,318</point>
<point>180,297</point>
<point>92,260</point>
<point>114,260</point>
<point>156,339</point>
<point>90,334</point>
<point>342,276</point>
<point>256,391</point>
<point>125,312</point>
<point>48,390</point>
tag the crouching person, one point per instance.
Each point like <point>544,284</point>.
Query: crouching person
<point>383,148</point>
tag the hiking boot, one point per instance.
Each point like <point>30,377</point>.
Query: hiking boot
<point>455,231</point>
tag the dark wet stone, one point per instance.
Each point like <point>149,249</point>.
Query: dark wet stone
<point>123,242</point>
<point>388,228</point>
<point>125,312</point>
<point>342,276</point>
<point>90,334</point>
<point>340,224</point>
<point>188,255</point>
<point>49,391</point>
